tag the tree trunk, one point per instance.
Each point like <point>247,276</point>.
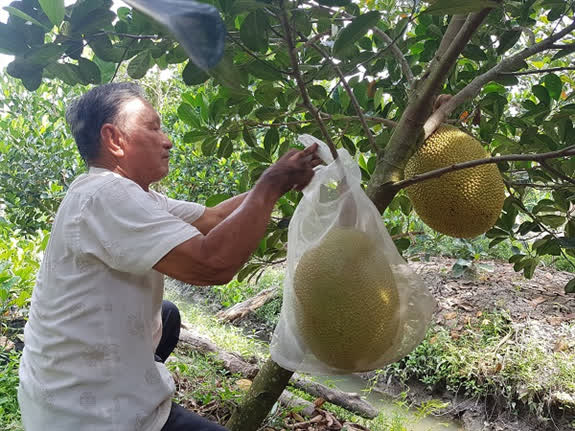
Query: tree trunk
<point>264,392</point>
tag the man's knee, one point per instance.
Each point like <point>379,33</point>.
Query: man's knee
<point>170,311</point>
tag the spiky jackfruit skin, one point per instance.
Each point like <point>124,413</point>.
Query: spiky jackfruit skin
<point>461,204</point>
<point>349,304</point>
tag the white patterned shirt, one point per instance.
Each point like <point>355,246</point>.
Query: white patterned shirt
<point>95,317</point>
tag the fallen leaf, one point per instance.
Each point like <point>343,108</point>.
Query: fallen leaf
<point>244,384</point>
<point>560,346</point>
<point>538,300</point>
<point>450,316</point>
<point>6,343</point>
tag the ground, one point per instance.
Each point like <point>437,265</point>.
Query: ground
<point>537,311</point>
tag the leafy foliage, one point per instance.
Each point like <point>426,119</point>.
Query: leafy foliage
<point>248,110</point>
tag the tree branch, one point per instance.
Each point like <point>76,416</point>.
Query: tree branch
<point>312,40</point>
<point>354,101</point>
<point>408,132</point>
<point>251,54</point>
<point>303,89</point>
<point>474,87</point>
<point>566,152</point>
<point>126,35</point>
<point>405,68</point>
<point>453,29</point>
<point>531,72</point>
<point>560,174</point>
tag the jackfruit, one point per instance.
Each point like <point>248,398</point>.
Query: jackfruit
<point>461,204</point>
<point>348,300</point>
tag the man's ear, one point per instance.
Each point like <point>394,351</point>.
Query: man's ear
<point>112,139</point>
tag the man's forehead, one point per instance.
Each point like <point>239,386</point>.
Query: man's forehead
<point>139,106</point>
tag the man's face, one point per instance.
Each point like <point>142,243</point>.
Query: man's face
<point>146,148</point>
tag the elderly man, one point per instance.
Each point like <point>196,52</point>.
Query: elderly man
<point>97,334</point>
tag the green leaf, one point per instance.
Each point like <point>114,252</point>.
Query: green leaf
<point>226,148</point>
<point>26,17</point>
<point>45,54</point>
<point>209,146</point>
<point>249,138</point>
<point>11,42</point>
<point>570,286</point>
<point>271,140</point>
<point>563,52</point>
<point>195,136</point>
<point>542,94</point>
<point>140,64</point>
<point>103,48</point>
<point>188,115</point>
<point>260,155</point>
<point>348,145</point>
<point>553,221</point>
<point>529,266</point>
<point>457,7</point>
<point>474,52</point>
<point>264,70</point>
<point>193,75</point>
<point>89,72</point>
<point>54,10</point>
<point>254,31</point>
<point>216,199</point>
<point>66,72</point>
<point>554,85</point>
<point>227,73</point>
<point>508,40</point>
<point>348,35</point>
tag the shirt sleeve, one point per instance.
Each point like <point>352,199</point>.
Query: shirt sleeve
<point>187,211</point>
<point>128,229</point>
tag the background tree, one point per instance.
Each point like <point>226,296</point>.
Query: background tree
<point>359,75</point>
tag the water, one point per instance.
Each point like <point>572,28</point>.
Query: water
<point>386,404</point>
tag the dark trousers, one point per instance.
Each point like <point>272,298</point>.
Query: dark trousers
<point>180,419</point>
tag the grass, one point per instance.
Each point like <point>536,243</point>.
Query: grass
<point>492,358</point>
<point>9,410</point>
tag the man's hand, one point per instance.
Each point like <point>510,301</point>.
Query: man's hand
<point>294,170</point>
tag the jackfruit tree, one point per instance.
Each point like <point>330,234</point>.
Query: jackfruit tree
<point>496,157</point>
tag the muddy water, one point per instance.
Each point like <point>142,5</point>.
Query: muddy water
<point>386,405</point>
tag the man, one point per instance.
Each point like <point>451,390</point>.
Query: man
<point>97,336</point>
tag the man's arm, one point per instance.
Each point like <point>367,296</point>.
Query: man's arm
<point>215,215</point>
<point>216,257</point>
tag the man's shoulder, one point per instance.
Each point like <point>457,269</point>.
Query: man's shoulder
<point>104,185</point>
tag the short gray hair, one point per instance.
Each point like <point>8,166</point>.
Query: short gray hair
<point>87,114</point>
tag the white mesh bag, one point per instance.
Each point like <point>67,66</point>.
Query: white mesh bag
<point>350,301</point>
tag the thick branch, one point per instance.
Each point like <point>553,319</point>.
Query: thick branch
<point>531,72</point>
<point>303,89</point>
<point>566,152</point>
<point>354,101</point>
<point>474,87</point>
<point>452,30</point>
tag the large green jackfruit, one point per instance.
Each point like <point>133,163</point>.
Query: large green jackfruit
<point>348,300</point>
<point>461,204</point>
